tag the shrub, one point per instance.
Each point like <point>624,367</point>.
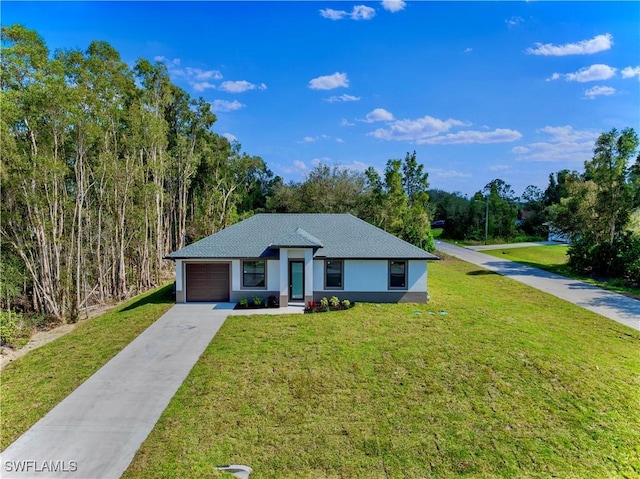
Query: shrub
<point>244,302</point>
<point>346,304</point>
<point>12,328</point>
<point>334,302</point>
<point>620,259</point>
<point>257,301</point>
<point>324,304</point>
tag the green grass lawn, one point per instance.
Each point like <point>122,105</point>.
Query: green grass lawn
<point>554,258</point>
<point>34,384</point>
<point>510,382</point>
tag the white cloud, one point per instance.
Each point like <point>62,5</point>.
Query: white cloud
<point>240,86</point>
<point>394,5</point>
<point>299,165</point>
<point>468,50</point>
<point>196,78</point>
<point>378,114</point>
<point>466,137</point>
<point>200,74</point>
<point>346,122</point>
<point>162,59</point>
<point>630,72</point>
<point>433,131</point>
<point>202,86</point>
<point>359,12</point>
<point>323,159</point>
<point>567,133</point>
<point>332,14</point>
<point>415,130</point>
<point>440,173</point>
<point>356,165</point>
<point>313,139</point>
<point>362,12</point>
<point>513,21</point>
<point>585,47</point>
<point>562,143</point>
<point>595,72</point>
<point>230,137</point>
<point>500,167</point>
<point>224,105</point>
<point>329,82</point>
<point>345,97</point>
<point>595,91</point>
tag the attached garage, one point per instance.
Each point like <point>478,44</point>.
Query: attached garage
<point>207,282</point>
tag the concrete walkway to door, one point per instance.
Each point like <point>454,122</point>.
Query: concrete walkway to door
<point>97,429</point>
<point>606,303</point>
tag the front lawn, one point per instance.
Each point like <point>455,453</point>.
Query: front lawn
<point>491,379</point>
<point>35,383</point>
<point>554,259</point>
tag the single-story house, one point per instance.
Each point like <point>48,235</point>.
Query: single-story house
<point>301,258</point>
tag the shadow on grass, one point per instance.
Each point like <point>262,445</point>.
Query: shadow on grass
<point>480,272</point>
<point>162,296</point>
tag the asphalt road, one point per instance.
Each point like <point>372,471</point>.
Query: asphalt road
<point>611,305</point>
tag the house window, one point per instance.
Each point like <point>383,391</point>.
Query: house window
<point>333,274</point>
<point>254,274</point>
<point>397,274</point>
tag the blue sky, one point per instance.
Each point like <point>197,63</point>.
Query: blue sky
<point>480,90</point>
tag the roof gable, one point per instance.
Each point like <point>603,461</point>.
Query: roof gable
<point>331,235</point>
<point>297,239</point>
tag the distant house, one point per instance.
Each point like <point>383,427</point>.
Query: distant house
<point>300,258</point>
<point>556,235</point>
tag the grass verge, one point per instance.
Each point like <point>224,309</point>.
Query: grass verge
<point>35,383</point>
<point>491,379</point>
<point>554,259</point>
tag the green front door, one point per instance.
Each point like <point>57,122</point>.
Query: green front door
<point>296,280</point>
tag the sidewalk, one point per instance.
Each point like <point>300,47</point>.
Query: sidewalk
<point>611,305</point>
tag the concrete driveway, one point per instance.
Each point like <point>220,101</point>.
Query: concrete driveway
<point>614,306</point>
<point>95,432</point>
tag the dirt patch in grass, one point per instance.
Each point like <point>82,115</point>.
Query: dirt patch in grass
<point>41,338</point>
<point>33,384</point>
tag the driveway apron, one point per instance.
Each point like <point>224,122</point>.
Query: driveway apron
<point>611,305</point>
<point>95,432</point>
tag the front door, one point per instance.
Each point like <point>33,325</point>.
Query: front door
<point>296,280</point>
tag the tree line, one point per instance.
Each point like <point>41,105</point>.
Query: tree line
<point>106,168</point>
<point>597,210</point>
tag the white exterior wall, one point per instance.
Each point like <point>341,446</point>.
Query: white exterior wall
<point>318,274</point>
<point>366,275</point>
<point>236,274</point>
<point>179,275</point>
<point>372,275</point>
<point>417,279</point>
<point>273,275</point>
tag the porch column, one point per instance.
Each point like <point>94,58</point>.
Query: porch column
<point>284,277</point>
<point>308,275</point>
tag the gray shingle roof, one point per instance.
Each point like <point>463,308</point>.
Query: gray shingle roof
<point>340,236</point>
<point>298,238</point>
